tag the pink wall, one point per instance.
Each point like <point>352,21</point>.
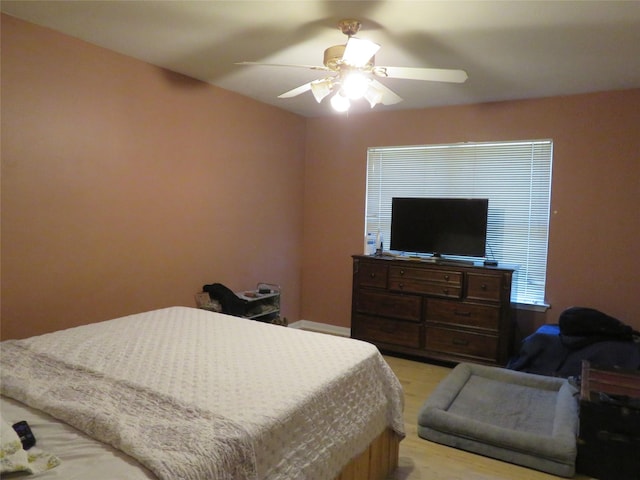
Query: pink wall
<point>126,187</point>
<point>595,223</point>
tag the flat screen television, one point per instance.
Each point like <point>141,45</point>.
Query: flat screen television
<point>439,226</point>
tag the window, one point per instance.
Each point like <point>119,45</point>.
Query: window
<point>514,176</point>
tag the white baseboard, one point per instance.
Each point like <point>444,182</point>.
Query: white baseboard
<point>321,327</point>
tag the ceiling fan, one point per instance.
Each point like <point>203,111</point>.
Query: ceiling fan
<point>352,73</point>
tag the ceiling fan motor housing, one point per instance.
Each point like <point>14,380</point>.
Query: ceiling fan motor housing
<point>333,58</point>
<point>349,26</point>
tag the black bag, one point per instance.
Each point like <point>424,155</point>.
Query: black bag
<point>589,322</point>
<point>230,302</point>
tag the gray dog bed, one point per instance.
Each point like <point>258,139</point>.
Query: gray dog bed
<point>521,418</point>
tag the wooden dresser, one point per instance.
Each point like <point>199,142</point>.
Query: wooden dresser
<point>441,311</point>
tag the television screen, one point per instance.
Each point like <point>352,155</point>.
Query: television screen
<point>440,226</point>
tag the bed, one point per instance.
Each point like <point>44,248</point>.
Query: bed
<point>187,393</point>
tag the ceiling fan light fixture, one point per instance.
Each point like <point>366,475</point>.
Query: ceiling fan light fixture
<point>373,95</point>
<point>321,88</point>
<point>355,85</point>
<point>340,103</point>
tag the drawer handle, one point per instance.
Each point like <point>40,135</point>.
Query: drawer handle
<point>461,314</point>
<point>401,285</point>
<point>483,286</point>
<point>446,277</point>
<point>463,343</point>
<point>372,275</point>
<point>401,272</point>
<point>445,291</point>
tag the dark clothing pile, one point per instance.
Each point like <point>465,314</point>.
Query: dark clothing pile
<point>582,334</point>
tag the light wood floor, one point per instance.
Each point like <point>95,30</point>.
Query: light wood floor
<point>424,460</point>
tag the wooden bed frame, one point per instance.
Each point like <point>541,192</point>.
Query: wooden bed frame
<point>377,462</point>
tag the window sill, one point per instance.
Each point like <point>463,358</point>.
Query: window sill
<point>538,307</point>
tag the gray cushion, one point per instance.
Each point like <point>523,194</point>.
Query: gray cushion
<point>522,418</point>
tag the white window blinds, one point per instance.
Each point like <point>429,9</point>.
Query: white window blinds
<point>514,176</point>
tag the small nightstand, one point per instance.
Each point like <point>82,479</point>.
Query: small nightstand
<point>263,303</point>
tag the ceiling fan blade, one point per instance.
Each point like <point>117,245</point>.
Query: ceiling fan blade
<point>358,52</point>
<point>429,74</point>
<point>296,91</point>
<point>389,97</point>
<point>310,67</point>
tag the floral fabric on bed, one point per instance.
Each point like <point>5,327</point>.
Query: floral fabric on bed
<point>14,458</point>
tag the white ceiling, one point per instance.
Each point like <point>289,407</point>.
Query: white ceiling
<point>510,49</point>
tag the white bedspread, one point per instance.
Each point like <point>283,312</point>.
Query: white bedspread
<point>295,404</point>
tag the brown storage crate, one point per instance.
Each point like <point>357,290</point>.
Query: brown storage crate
<point>609,441</point>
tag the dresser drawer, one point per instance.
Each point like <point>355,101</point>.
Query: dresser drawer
<point>406,307</point>
<point>484,287</point>
<point>446,277</point>
<point>456,342</point>
<point>416,286</point>
<point>463,314</point>
<point>385,330</point>
<point>439,283</point>
<point>372,275</point>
